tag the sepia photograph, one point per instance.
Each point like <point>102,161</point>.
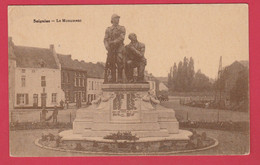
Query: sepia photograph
<point>128,80</point>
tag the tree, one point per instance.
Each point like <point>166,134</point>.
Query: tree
<point>179,78</point>
<point>239,92</point>
<point>191,73</point>
<point>184,79</point>
<point>170,79</point>
<point>174,76</point>
<point>201,82</point>
<point>184,74</point>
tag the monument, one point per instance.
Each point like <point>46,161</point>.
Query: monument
<point>125,105</point>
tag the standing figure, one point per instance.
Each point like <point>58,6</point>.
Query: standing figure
<point>135,58</point>
<point>114,44</point>
<point>62,104</point>
<point>55,114</point>
<point>44,114</point>
<point>67,104</point>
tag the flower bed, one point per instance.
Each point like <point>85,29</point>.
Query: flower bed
<point>122,136</point>
<point>196,142</point>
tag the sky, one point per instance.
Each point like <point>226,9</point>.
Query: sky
<point>170,32</point>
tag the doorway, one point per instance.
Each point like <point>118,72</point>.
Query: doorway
<point>35,100</point>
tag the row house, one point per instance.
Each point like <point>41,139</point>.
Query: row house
<point>94,81</point>
<point>94,85</point>
<point>34,77</point>
<point>73,79</point>
<point>80,81</point>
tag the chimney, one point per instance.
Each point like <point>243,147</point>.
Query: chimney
<point>11,54</point>
<point>10,39</point>
<point>51,47</point>
<point>10,42</point>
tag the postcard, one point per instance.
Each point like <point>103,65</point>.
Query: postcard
<point>122,80</point>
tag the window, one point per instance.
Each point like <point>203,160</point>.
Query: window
<point>62,77</point>
<point>67,95</point>
<point>92,85</point>
<point>75,97</point>
<point>22,99</point>
<point>68,78</point>
<point>42,63</point>
<point>54,97</point>
<point>83,96</point>
<point>43,81</point>
<point>23,81</point>
<point>35,98</point>
<point>77,82</point>
<point>75,79</point>
<point>83,82</point>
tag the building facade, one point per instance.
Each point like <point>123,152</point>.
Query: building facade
<point>93,88</point>
<point>11,73</point>
<point>80,80</point>
<point>231,73</point>
<point>37,78</point>
<point>73,79</point>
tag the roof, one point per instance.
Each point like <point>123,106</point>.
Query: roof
<point>11,54</point>
<point>30,57</point>
<point>244,63</point>
<point>93,70</point>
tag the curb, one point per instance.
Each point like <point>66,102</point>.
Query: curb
<point>36,142</point>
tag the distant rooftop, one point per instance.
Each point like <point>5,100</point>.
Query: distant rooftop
<point>31,57</point>
<point>93,70</point>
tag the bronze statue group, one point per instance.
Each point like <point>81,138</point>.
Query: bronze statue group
<point>121,59</point>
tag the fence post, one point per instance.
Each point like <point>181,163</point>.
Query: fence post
<point>11,118</point>
<point>218,115</point>
<point>40,116</point>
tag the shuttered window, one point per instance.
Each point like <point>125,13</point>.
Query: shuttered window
<point>54,97</point>
<point>43,81</point>
<point>22,99</point>
<point>23,81</point>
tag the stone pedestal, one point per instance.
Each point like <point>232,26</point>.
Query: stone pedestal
<point>125,107</point>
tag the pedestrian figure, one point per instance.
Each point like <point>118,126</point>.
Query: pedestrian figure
<point>44,114</point>
<point>55,114</point>
<point>62,104</point>
<point>67,104</point>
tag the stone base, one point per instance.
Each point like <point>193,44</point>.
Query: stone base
<point>140,134</point>
<point>68,135</point>
<point>125,108</point>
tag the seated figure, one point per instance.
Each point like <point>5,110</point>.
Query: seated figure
<point>135,59</point>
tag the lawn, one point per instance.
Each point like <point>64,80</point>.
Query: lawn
<point>202,114</point>
<point>182,113</point>
<point>67,115</point>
